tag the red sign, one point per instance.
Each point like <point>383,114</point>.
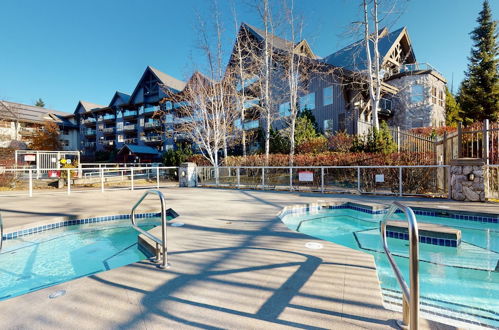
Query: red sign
<point>54,174</point>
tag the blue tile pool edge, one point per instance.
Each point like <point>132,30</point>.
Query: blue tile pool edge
<point>461,215</point>
<point>41,228</point>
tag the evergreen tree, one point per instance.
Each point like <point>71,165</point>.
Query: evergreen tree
<point>479,91</point>
<point>40,103</point>
<point>452,109</point>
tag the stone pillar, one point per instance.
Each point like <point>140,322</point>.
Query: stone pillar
<point>187,175</point>
<point>467,179</point>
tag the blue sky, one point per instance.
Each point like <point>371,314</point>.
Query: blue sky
<point>64,51</point>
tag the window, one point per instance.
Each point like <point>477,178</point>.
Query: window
<point>169,118</point>
<point>307,102</point>
<point>284,109</point>
<point>433,95</point>
<point>166,106</point>
<point>327,94</point>
<point>237,124</point>
<point>417,93</point>
<point>441,98</point>
<point>328,125</point>
<point>341,122</point>
<point>119,126</point>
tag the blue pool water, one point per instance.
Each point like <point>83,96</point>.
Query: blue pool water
<point>458,283</point>
<point>37,261</point>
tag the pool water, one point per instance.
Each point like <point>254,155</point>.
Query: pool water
<point>458,283</point>
<point>33,262</point>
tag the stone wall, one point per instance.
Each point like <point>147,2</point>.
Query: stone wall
<point>467,180</point>
<point>408,114</point>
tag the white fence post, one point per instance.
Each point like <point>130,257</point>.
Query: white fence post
<point>486,146</point>
<point>30,184</point>
<point>263,178</point>
<point>290,179</point>
<point>358,179</point>
<point>101,179</point>
<point>157,177</point>
<point>131,174</point>
<point>322,179</point>
<point>238,172</point>
<point>400,181</point>
<point>69,181</point>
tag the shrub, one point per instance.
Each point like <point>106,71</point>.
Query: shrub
<point>279,143</point>
<point>341,142</point>
<point>174,157</point>
<point>313,146</point>
<point>376,140</point>
<point>198,159</point>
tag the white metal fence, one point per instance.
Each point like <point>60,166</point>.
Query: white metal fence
<point>69,180</point>
<point>429,180</point>
<point>424,180</point>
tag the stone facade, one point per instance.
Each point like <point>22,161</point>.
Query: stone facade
<point>422,110</point>
<point>467,180</point>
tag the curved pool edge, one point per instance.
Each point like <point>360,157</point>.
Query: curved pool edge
<point>14,232</point>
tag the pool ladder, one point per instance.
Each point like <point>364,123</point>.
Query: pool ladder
<point>410,296</point>
<point>161,251</point>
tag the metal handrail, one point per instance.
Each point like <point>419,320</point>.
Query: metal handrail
<point>160,253</point>
<point>410,296</point>
<point>1,232</point>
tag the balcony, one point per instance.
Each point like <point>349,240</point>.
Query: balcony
<point>28,131</point>
<point>108,130</point>
<point>249,125</point>
<point>417,67</point>
<point>89,121</point>
<point>151,125</point>
<point>130,127</point>
<point>109,117</point>
<point>89,132</point>
<point>131,141</point>
<point>152,139</point>
<point>151,109</point>
<point>129,113</point>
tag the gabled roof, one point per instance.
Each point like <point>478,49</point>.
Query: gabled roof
<point>354,57</point>
<point>33,114</point>
<point>167,80</point>
<point>163,78</point>
<point>119,96</point>
<point>136,149</point>
<point>88,106</point>
<point>276,41</point>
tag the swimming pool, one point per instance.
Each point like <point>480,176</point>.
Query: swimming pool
<point>33,262</point>
<point>461,284</point>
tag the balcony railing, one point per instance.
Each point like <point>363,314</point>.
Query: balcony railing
<point>90,132</point>
<point>108,117</point>
<point>89,144</point>
<point>27,131</point>
<point>129,113</point>
<point>151,109</point>
<point>152,138</point>
<point>131,141</point>
<point>90,120</point>
<point>130,127</point>
<point>251,124</point>
<point>416,67</point>
<point>152,124</point>
<point>108,130</point>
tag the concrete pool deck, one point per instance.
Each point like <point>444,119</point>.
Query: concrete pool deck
<point>233,265</point>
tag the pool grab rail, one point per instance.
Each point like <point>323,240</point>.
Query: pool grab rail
<point>161,253</point>
<point>410,296</point>
<point>1,232</point>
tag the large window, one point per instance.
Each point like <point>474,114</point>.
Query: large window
<point>328,125</point>
<point>284,109</point>
<point>307,102</point>
<point>441,98</point>
<point>327,94</point>
<point>417,93</point>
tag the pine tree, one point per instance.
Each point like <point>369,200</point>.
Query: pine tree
<point>479,91</point>
<point>40,103</point>
<point>453,111</point>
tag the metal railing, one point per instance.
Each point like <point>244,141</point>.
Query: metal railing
<point>161,253</point>
<point>410,296</point>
